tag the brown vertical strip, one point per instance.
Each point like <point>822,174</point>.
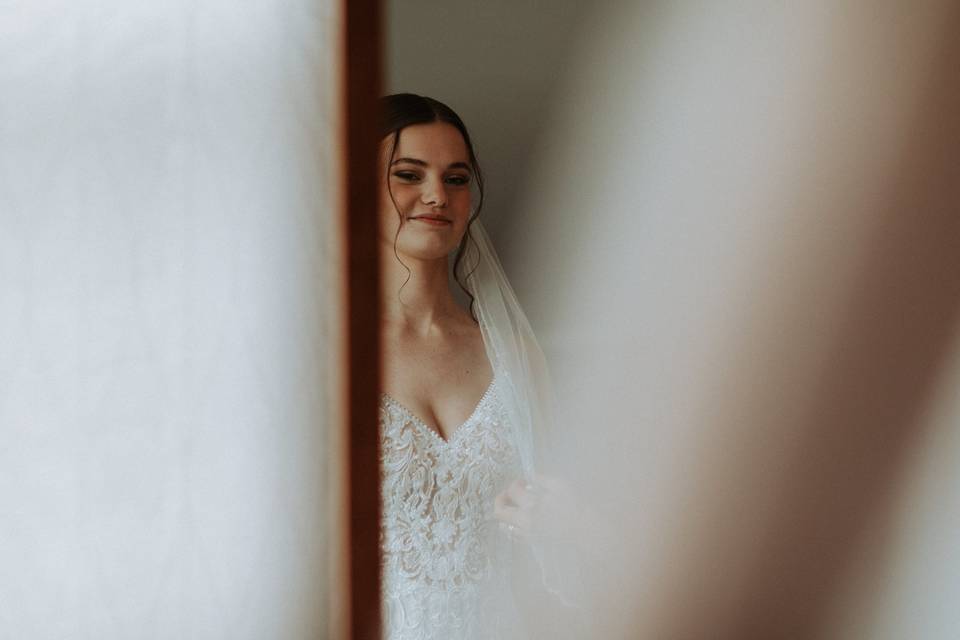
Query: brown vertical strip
<point>362,68</point>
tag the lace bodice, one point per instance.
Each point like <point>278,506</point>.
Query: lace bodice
<point>445,574</point>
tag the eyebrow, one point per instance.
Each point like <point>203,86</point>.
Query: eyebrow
<point>452,165</point>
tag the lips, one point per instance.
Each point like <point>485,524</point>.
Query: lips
<point>432,219</point>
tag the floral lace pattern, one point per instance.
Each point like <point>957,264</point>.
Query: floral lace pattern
<point>444,575</point>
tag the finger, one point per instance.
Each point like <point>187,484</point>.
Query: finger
<point>501,504</point>
<point>507,515</point>
<point>504,509</point>
<point>515,521</point>
<point>521,496</point>
<point>511,515</point>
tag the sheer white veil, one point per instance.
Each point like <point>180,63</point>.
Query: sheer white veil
<point>512,349</point>
<point>524,379</point>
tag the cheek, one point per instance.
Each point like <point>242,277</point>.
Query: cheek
<point>403,197</point>
<point>389,219</point>
<point>393,203</point>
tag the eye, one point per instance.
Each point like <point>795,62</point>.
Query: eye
<point>458,180</point>
<point>407,176</point>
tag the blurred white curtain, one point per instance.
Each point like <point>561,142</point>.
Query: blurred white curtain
<point>738,245</point>
<point>166,181</point>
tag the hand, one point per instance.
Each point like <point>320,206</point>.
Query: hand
<point>541,507</point>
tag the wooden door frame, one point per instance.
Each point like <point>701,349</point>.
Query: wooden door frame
<point>362,65</point>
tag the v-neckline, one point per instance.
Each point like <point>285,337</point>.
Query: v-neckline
<point>435,432</point>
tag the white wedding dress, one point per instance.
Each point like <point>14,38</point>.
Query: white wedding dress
<point>446,571</point>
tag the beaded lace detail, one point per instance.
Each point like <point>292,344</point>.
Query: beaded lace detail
<point>444,574</point>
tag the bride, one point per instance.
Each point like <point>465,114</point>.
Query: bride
<point>463,399</point>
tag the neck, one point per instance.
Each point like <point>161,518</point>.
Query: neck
<point>425,301</point>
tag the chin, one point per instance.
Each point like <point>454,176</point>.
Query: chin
<point>426,250</point>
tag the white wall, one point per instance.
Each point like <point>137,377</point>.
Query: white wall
<point>165,174</point>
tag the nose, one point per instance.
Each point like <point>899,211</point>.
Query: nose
<point>434,194</point>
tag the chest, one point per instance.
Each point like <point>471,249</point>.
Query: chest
<point>441,382</point>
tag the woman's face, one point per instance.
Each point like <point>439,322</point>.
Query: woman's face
<point>429,178</point>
